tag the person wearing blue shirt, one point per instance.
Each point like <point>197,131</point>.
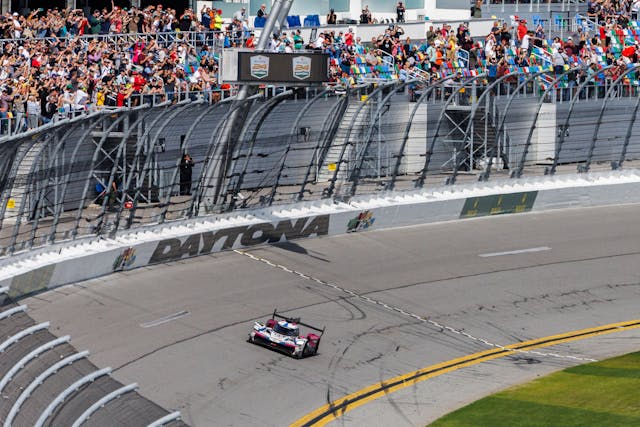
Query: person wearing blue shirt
<point>205,18</point>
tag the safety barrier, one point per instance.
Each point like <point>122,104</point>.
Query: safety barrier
<point>38,381</point>
<point>46,268</point>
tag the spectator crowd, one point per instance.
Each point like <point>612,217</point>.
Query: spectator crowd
<point>61,62</point>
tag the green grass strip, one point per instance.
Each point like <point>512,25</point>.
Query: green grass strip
<point>605,393</point>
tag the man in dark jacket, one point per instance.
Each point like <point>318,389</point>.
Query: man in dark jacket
<point>400,11</point>
<point>186,164</point>
<point>331,17</point>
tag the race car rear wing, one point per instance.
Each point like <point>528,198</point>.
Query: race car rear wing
<point>297,321</point>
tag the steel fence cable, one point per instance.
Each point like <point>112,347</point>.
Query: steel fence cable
<point>141,175</point>
<point>517,172</point>
<point>329,130</point>
<point>454,93</point>
<point>211,158</point>
<point>346,143</point>
<point>559,144</point>
<point>261,115</point>
<point>107,188</point>
<point>355,177</point>
<point>501,127</point>
<point>293,131</point>
<point>592,146</point>
<point>187,139</point>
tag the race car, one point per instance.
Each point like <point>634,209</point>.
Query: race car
<point>282,334</point>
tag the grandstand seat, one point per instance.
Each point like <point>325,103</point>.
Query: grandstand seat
<point>259,22</point>
<point>582,23</point>
<point>537,21</point>
<point>294,21</point>
<point>312,21</point>
<point>559,21</point>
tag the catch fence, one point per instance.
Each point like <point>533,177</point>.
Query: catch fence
<point>121,169</point>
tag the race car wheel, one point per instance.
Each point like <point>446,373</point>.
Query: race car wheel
<point>304,350</point>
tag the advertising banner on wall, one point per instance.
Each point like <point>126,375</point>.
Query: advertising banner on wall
<point>86,259</point>
<point>173,249</point>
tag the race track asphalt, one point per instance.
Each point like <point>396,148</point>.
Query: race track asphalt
<point>180,329</point>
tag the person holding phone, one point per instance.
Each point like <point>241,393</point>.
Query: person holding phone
<point>400,11</point>
<point>186,164</point>
<point>331,17</point>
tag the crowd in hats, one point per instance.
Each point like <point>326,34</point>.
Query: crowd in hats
<point>63,62</point>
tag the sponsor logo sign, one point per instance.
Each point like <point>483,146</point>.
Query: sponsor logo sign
<point>363,221</point>
<point>286,68</point>
<point>125,259</point>
<point>301,67</point>
<point>228,238</point>
<point>259,66</point>
<point>498,204</point>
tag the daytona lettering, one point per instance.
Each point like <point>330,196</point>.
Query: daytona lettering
<point>204,243</point>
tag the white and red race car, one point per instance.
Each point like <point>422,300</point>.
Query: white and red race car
<point>283,334</point>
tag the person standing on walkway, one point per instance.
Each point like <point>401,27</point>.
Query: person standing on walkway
<point>331,17</point>
<point>400,11</point>
<point>186,164</point>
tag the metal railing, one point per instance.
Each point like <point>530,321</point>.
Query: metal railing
<point>18,124</point>
<point>586,24</point>
<point>531,5</point>
<point>463,56</point>
<point>210,38</point>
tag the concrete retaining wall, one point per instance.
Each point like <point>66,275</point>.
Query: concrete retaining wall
<point>83,259</point>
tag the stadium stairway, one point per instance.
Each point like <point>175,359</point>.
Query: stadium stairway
<point>28,153</point>
<point>353,125</point>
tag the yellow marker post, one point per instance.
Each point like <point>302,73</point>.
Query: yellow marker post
<point>331,167</point>
<point>11,204</point>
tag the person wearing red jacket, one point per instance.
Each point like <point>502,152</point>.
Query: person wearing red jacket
<point>138,81</point>
<point>137,86</point>
<point>522,29</point>
<point>348,38</point>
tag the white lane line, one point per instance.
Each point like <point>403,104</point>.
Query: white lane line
<point>165,319</point>
<point>400,310</point>
<point>516,252</point>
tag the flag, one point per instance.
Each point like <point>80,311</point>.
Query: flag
<point>628,51</point>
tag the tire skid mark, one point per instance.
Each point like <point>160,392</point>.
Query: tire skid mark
<point>339,407</point>
<point>403,312</point>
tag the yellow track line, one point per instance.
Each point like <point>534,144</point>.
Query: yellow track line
<point>339,407</point>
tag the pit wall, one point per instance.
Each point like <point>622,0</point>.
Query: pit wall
<point>69,262</point>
